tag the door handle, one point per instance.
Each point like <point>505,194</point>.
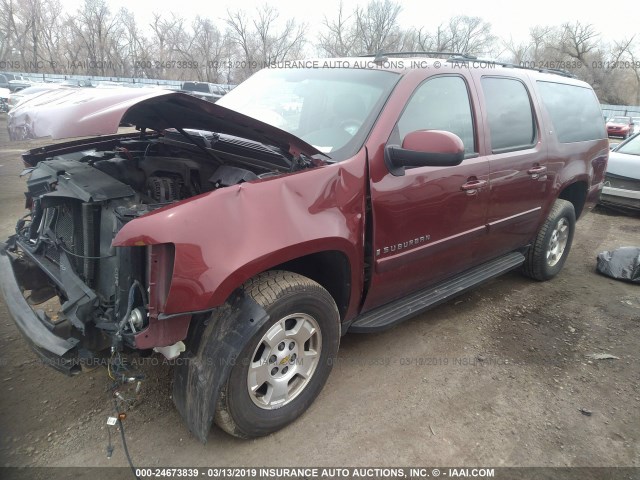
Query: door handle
<point>535,172</point>
<point>472,186</point>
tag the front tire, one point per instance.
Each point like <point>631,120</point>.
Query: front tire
<point>283,368</point>
<point>546,257</point>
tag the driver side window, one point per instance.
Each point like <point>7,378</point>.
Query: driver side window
<point>440,103</point>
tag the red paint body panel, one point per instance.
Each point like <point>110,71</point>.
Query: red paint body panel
<point>225,237</point>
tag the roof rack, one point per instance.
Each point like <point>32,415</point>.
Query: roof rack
<point>466,59</point>
<point>452,57</point>
<point>383,56</point>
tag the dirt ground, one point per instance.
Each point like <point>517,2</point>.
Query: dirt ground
<point>497,377</point>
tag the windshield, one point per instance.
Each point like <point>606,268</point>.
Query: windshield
<point>632,147</point>
<point>331,109</point>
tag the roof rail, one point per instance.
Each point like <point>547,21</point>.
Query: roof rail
<point>383,56</point>
<point>455,57</point>
<point>466,59</point>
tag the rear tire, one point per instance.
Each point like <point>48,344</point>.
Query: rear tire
<point>281,371</point>
<point>548,253</point>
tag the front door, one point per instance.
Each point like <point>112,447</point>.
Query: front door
<point>428,224</point>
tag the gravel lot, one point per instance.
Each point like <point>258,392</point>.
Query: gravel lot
<point>497,377</point>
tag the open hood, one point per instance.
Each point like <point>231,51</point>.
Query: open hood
<point>83,112</point>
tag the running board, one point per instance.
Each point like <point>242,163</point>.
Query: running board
<point>391,314</point>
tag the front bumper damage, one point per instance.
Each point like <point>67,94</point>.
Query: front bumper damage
<point>57,352</point>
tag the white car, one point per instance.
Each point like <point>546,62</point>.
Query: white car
<point>4,99</point>
<point>622,178</point>
<point>636,124</point>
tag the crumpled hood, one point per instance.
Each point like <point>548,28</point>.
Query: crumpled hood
<point>68,113</point>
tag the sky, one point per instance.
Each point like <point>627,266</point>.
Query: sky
<point>509,19</point>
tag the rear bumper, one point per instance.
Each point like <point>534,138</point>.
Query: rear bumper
<point>56,352</point>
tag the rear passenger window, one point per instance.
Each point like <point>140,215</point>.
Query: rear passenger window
<point>440,103</point>
<point>574,111</point>
<point>509,112</point>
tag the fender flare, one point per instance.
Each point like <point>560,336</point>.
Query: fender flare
<point>213,344</point>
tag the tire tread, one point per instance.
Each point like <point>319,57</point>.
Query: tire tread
<point>265,288</point>
<point>533,266</point>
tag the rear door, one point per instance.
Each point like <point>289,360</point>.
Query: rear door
<point>428,223</point>
<point>517,163</point>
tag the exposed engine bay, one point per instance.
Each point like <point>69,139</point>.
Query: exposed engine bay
<point>81,197</point>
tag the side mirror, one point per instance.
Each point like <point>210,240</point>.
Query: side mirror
<point>424,148</point>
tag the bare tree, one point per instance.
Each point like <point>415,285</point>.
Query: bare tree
<point>377,26</point>
<point>369,30</point>
<point>578,40</point>
<point>340,36</point>
<point>98,32</point>
<point>261,41</point>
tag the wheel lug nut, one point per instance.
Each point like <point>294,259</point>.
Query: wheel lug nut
<point>291,345</point>
<point>284,370</point>
<point>272,359</point>
<point>293,357</point>
<point>274,370</point>
<point>281,346</point>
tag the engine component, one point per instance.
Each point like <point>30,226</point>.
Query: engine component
<point>162,189</point>
<point>227,175</point>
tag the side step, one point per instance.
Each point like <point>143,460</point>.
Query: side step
<point>393,313</point>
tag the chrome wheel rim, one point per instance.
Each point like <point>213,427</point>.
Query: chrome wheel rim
<point>558,242</point>
<point>284,361</point>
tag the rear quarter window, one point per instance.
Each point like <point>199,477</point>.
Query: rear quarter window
<point>575,112</point>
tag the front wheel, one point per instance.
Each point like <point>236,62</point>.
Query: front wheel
<point>553,242</point>
<point>283,368</point>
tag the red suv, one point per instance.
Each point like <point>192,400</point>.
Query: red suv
<point>245,237</point>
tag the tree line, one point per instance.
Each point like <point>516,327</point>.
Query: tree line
<point>94,40</point>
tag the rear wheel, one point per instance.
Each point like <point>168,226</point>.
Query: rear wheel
<point>550,250</point>
<point>284,367</point>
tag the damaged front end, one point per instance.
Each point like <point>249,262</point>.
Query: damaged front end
<point>75,294</point>
<point>93,296</point>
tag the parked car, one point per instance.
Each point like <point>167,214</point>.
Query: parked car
<point>204,90</point>
<point>21,95</point>
<point>245,250</point>
<point>622,178</point>
<point>4,99</point>
<point>20,84</point>
<point>77,83</point>
<point>636,124</point>
<point>6,78</point>
<point>620,127</point>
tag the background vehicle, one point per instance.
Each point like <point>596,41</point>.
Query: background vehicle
<point>24,94</point>
<point>622,179</point>
<point>636,124</point>
<point>4,99</point>
<point>204,90</point>
<point>13,81</point>
<point>77,83</point>
<point>620,127</point>
<point>368,195</point>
